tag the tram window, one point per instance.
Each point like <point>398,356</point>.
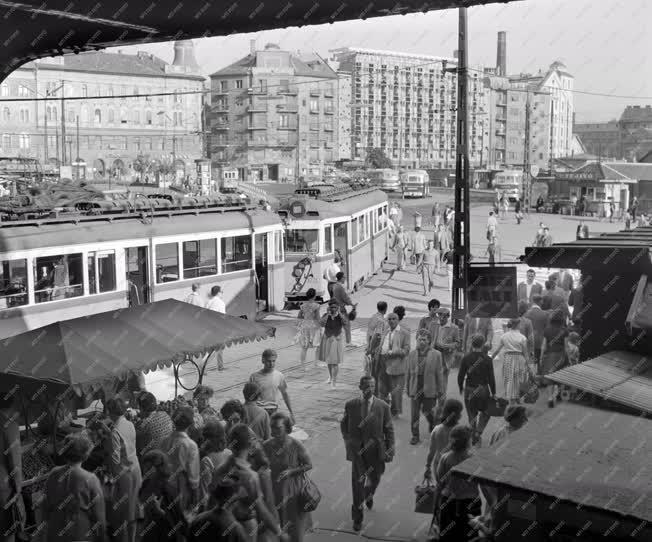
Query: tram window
<point>13,283</point>
<point>362,228</point>
<point>199,258</point>
<point>354,232</point>
<point>299,241</point>
<point>58,277</point>
<point>167,263</point>
<point>328,239</point>
<point>278,246</point>
<point>236,253</point>
<point>101,272</point>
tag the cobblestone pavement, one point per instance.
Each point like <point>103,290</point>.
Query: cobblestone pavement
<point>318,408</point>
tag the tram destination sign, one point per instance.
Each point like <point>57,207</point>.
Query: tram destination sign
<point>492,292</point>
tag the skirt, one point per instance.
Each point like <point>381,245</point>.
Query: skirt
<point>515,373</point>
<point>331,350</point>
<point>306,335</point>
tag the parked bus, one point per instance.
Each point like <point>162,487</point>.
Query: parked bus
<point>510,182</point>
<point>415,183</point>
<point>387,180</point>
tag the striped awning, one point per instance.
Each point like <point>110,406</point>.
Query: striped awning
<point>618,376</point>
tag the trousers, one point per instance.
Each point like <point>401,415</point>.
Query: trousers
<point>365,478</point>
<point>391,386</point>
<point>426,405</point>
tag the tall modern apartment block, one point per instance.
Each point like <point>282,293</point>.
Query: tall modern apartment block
<point>405,104</point>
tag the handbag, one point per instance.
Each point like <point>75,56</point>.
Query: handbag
<point>496,407</point>
<point>426,495</point>
<point>352,315</point>
<point>309,495</point>
<point>529,391</point>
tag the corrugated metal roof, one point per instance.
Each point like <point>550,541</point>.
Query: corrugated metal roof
<point>53,235</point>
<point>577,454</point>
<point>621,377</point>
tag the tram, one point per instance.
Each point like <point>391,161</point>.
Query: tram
<point>62,265</point>
<point>329,220</point>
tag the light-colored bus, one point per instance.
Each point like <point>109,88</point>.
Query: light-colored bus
<point>510,182</point>
<point>387,180</point>
<point>415,183</point>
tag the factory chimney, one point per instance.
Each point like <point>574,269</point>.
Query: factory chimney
<point>501,55</point>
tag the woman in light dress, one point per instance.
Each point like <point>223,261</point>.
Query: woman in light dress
<point>516,369</point>
<point>331,348</point>
<point>308,324</point>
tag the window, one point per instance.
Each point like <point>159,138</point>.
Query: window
<point>136,117</point>
<point>23,141</point>
<point>278,246</point>
<point>97,117</point>
<point>328,239</point>
<point>101,272</point>
<point>4,90</point>
<point>24,115</point>
<point>238,83</point>
<point>6,114</point>
<point>110,91</point>
<point>236,253</point>
<point>167,263</point>
<point>148,118</point>
<point>314,106</point>
<point>362,228</point>
<point>84,91</point>
<point>58,277</point>
<point>13,283</point>
<point>354,232</point>
<point>199,258</point>
<point>224,86</point>
<point>111,116</point>
<point>302,241</point>
<point>284,120</point>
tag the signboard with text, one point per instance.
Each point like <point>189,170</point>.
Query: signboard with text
<point>492,292</point>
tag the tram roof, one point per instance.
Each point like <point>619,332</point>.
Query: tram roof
<point>345,204</point>
<point>35,30</point>
<point>62,234</point>
<point>602,460</point>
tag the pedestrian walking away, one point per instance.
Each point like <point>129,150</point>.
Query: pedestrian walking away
<point>516,369</point>
<point>308,327</point>
<point>429,264</point>
<point>368,435</point>
<point>342,298</point>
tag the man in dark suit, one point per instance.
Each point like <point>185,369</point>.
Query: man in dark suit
<point>539,319</point>
<point>529,288</point>
<point>369,440</point>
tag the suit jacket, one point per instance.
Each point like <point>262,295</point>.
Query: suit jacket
<point>448,343</point>
<point>526,328</point>
<point>554,300</point>
<point>374,435</point>
<point>395,363</point>
<point>433,374</point>
<point>565,281</point>
<point>537,288</point>
<point>539,319</point>
<point>472,325</point>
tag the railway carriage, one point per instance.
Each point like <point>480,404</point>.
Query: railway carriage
<point>54,269</point>
<point>323,221</point>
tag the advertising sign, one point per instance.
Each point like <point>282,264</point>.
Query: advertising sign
<point>492,292</point>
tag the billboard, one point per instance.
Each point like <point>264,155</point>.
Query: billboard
<point>492,292</point>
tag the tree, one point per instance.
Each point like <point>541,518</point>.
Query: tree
<point>141,165</point>
<point>377,159</point>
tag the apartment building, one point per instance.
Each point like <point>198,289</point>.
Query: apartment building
<point>405,104</point>
<point>274,115</point>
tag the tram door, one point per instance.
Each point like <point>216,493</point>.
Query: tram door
<point>136,263</point>
<point>340,244</point>
<point>262,283</point>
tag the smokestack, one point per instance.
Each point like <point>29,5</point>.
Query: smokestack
<point>501,55</point>
<point>252,46</point>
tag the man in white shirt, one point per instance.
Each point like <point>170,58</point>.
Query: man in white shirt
<point>492,225</point>
<point>216,303</point>
<point>194,298</point>
<point>272,384</point>
<point>418,247</point>
<point>330,275</point>
<point>529,288</point>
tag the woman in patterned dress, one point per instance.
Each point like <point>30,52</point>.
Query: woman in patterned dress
<point>331,348</point>
<point>308,324</point>
<point>289,461</point>
<point>516,369</point>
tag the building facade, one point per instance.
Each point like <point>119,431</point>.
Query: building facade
<point>635,127</point>
<point>406,104</point>
<point>600,138</point>
<point>105,130</point>
<point>273,115</point>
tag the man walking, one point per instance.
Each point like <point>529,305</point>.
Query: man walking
<point>377,322</point>
<point>526,290</point>
<point>400,245</point>
<point>448,342</point>
<point>342,298</point>
<point>193,297</point>
<point>368,436</point>
<point>272,384</point>
<point>477,326</point>
<point>425,383</point>
<point>216,303</point>
<point>330,275</point>
<point>429,263</point>
<point>539,319</point>
<point>418,247</point>
<point>430,323</point>
<point>394,348</point>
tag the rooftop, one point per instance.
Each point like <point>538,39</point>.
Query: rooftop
<point>576,454</point>
<point>397,54</point>
<point>637,113</point>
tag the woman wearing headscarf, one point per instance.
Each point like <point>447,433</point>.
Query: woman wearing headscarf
<point>122,510</point>
<point>516,369</point>
<point>289,461</point>
<point>74,497</point>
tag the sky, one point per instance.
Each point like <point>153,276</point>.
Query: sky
<point>605,44</point>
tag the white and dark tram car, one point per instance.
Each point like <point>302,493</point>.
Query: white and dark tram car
<point>329,220</point>
<point>101,256</point>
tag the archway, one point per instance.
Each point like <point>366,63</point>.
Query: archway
<point>118,169</point>
<point>99,168</point>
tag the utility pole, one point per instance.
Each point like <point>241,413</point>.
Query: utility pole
<point>77,157</point>
<point>63,125</point>
<point>461,237</point>
<point>298,144</point>
<point>527,182</point>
